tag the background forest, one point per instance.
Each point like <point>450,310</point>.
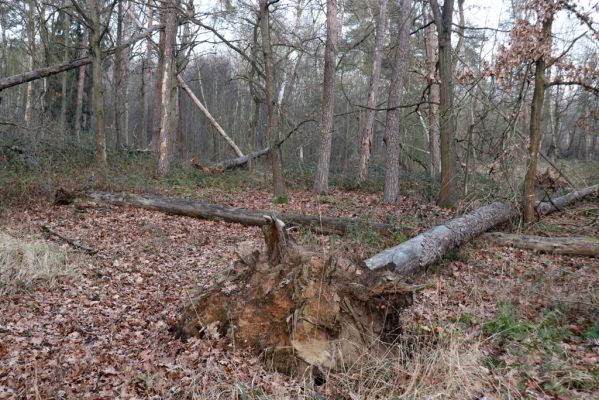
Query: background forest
<point>380,64</point>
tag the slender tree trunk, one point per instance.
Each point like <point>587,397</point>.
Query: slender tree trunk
<point>80,86</point>
<point>391,138</point>
<point>158,100</point>
<point>535,124</point>
<point>443,21</point>
<point>169,87</point>
<point>65,58</point>
<point>367,132</point>
<point>433,97</point>
<point>147,131</point>
<point>98,88</point>
<point>334,18</point>
<point>117,79</point>
<point>278,182</point>
<point>31,45</point>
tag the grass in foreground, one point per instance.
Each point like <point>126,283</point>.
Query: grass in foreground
<point>27,263</point>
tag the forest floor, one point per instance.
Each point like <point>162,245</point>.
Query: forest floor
<point>493,323</point>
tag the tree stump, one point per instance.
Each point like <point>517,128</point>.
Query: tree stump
<point>298,308</point>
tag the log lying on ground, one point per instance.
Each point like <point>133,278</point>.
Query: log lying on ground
<point>299,309</point>
<point>243,160</point>
<point>577,246</point>
<point>427,248</point>
<point>217,212</point>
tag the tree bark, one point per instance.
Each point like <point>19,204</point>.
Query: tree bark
<point>427,248</point>
<point>278,181</point>
<point>391,190</point>
<point>433,98</point>
<point>217,212</point>
<point>535,123</point>
<point>168,87</point>
<point>63,89</point>
<point>334,18</point>
<point>443,21</point>
<point>98,88</point>
<point>367,132</point>
<point>118,100</point>
<point>147,131</point>
<point>576,246</point>
<point>80,86</point>
<point>30,25</point>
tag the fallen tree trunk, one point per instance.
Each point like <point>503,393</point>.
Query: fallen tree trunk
<point>201,210</point>
<point>427,248</point>
<point>44,72</point>
<point>578,246</point>
<point>241,161</point>
<point>299,309</point>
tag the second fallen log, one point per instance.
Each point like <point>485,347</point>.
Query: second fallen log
<point>577,246</point>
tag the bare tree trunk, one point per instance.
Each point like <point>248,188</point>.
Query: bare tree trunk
<point>169,87</point>
<point>80,86</point>
<point>443,21</point>
<point>391,138</point>
<point>158,100</point>
<point>367,132</point>
<point>334,18</point>
<point>535,124</point>
<point>63,97</point>
<point>31,45</point>
<point>278,182</point>
<point>433,97</point>
<point>117,100</point>
<point>147,131</point>
<point>98,88</point>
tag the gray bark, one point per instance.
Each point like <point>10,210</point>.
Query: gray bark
<point>577,246</point>
<point>367,132</point>
<point>391,191</point>
<point>334,17</point>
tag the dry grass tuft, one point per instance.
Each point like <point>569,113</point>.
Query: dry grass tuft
<point>27,263</point>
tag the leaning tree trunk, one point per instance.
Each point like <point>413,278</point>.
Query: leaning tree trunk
<point>427,248</point>
<point>299,309</point>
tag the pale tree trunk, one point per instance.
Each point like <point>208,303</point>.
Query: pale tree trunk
<point>278,182</point>
<point>117,79</point>
<point>334,18</point>
<point>80,86</point>
<point>433,98</point>
<point>535,124</point>
<point>31,45</point>
<point>158,100</point>
<point>443,20</point>
<point>168,87</point>
<point>147,131</point>
<point>98,88</point>
<point>367,132</point>
<point>65,58</point>
<point>391,191</point>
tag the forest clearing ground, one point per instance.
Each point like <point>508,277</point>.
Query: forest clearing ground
<point>496,322</point>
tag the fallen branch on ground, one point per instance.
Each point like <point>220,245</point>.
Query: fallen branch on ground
<point>427,248</point>
<point>577,246</point>
<point>75,243</point>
